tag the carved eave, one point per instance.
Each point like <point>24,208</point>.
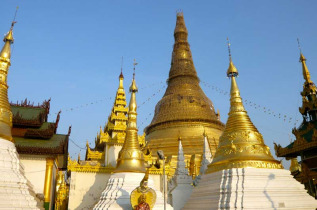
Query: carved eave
<point>38,150</point>
<point>306,139</point>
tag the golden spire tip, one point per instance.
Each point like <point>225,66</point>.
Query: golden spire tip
<point>232,70</point>
<point>121,74</point>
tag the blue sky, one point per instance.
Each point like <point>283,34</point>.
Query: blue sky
<point>71,51</point>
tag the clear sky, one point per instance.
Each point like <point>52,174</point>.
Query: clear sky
<point>70,51</point>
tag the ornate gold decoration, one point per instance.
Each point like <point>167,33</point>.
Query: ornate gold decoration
<point>143,194</point>
<point>114,131</point>
<point>88,166</point>
<point>184,107</point>
<point>5,111</point>
<point>94,155</point>
<point>241,145</point>
<point>62,192</point>
<point>130,158</point>
<point>294,165</point>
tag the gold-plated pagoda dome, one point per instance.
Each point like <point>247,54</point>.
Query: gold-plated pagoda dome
<point>184,107</point>
<point>241,145</point>
<point>5,114</point>
<point>130,158</point>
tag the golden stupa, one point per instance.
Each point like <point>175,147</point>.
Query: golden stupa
<point>5,114</point>
<point>241,145</point>
<point>130,158</point>
<point>184,108</point>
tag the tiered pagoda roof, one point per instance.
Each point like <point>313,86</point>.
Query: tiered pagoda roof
<point>306,133</point>
<point>34,135</point>
<point>114,131</point>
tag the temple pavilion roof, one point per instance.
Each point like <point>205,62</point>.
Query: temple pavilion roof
<point>306,139</point>
<point>34,135</point>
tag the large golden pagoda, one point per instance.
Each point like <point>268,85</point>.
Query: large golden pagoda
<point>241,145</point>
<point>184,108</point>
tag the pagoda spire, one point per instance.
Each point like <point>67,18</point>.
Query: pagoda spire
<point>241,145</point>
<point>6,114</point>
<point>130,158</point>
<point>306,73</point>
<point>309,93</point>
<point>182,61</point>
<point>181,165</point>
<point>207,156</point>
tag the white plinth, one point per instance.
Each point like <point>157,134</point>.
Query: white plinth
<point>118,190</point>
<point>15,190</point>
<point>250,188</point>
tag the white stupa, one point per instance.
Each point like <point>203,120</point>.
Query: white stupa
<point>15,190</point>
<point>243,173</point>
<point>181,183</point>
<point>130,168</point>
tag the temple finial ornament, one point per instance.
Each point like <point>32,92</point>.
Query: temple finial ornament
<point>302,59</point>
<point>232,70</point>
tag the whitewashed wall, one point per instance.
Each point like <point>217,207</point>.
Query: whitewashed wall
<point>86,189</point>
<point>34,170</point>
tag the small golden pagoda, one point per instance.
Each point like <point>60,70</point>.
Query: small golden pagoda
<point>241,145</point>
<point>110,139</point>
<point>131,158</point>
<point>243,173</point>
<point>184,108</point>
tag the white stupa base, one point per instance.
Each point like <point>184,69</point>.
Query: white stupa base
<point>118,191</point>
<point>16,192</point>
<point>250,188</point>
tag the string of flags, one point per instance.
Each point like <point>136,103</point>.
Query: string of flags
<point>250,103</point>
<point>254,105</point>
<point>152,96</point>
<point>106,99</point>
<point>145,120</point>
<point>81,148</point>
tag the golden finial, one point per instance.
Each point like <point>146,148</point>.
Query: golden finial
<point>9,36</point>
<point>134,65</point>
<point>302,59</point>
<point>121,77</point>
<point>241,145</point>
<point>121,74</point>
<point>130,158</point>
<point>232,70</point>
<point>180,27</point>
<point>133,87</point>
